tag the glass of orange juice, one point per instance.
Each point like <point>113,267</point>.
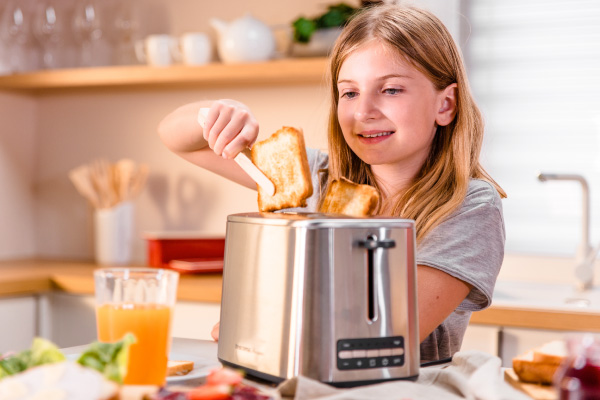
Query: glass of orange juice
<point>138,301</point>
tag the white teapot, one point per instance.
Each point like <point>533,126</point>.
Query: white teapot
<point>245,39</point>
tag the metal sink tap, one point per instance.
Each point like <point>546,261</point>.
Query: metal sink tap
<point>584,269</point>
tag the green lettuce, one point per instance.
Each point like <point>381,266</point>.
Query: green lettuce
<point>41,352</point>
<point>108,358</point>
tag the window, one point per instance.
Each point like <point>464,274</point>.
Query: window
<point>534,67</point>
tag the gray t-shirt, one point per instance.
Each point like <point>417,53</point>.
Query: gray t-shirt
<point>468,245</point>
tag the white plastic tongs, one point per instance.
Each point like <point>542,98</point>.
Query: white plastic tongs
<point>243,159</point>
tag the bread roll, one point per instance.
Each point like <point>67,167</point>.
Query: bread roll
<point>282,158</point>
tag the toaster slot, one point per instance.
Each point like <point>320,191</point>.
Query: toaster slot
<point>372,244</point>
<point>370,286</point>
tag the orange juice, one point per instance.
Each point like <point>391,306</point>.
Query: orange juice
<point>150,324</point>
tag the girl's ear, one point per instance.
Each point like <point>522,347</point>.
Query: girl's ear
<point>447,109</point>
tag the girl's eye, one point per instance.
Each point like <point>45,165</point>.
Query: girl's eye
<point>392,91</point>
<point>349,94</point>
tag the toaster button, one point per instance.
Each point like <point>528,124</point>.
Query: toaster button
<point>396,361</point>
<point>360,363</point>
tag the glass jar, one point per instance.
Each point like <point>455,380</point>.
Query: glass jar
<point>578,378</point>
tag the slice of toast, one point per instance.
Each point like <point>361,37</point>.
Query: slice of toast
<point>282,158</point>
<point>179,367</point>
<point>531,371</point>
<point>346,197</point>
<point>540,364</point>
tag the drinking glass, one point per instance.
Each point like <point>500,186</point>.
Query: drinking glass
<point>123,31</point>
<point>51,28</point>
<point>20,47</point>
<point>90,31</point>
<point>578,377</point>
<point>138,301</point>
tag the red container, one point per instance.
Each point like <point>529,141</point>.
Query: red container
<point>186,252</point>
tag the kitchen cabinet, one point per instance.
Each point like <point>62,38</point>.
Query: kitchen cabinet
<point>18,322</point>
<point>294,71</point>
<point>67,319</point>
<point>481,338</point>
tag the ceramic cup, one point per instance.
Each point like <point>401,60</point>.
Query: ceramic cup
<point>196,48</point>
<point>157,50</point>
<point>114,234</point>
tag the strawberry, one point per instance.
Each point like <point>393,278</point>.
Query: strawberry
<point>210,392</point>
<point>225,376</point>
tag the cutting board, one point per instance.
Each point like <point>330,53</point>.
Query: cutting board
<point>533,390</point>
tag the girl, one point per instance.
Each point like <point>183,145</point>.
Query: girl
<point>403,120</point>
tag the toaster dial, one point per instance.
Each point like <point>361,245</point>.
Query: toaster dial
<point>368,353</point>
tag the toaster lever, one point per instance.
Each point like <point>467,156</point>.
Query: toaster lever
<point>373,243</point>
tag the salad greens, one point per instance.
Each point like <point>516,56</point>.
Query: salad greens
<point>336,15</point>
<point>41,352</point>
<point>108,358</point>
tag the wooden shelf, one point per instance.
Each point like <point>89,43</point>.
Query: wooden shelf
<point>289,71</point>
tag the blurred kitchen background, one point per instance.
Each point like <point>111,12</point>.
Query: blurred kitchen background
<point>533,67</point>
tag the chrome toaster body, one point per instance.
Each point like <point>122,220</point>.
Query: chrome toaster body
<point>333,299</point>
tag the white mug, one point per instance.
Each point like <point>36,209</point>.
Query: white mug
<point>196,48</point>
<point>114,234</point>
<point>157,50</point>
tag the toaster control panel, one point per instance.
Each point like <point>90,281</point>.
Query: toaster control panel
<point>368,353</point>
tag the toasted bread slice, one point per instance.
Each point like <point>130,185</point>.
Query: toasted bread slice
<point>178,368</point>
<point>531,371</point>
<point>540,364</point>
<point>346,197</point>
<point>282,158</point>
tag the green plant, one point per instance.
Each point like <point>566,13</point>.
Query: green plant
<point>336,15</point>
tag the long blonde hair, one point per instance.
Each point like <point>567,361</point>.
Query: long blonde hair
<point>441,185</point>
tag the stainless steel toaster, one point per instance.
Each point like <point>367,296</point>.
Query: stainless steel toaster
<point>331,298</point>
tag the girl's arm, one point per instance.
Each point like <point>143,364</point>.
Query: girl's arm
<point>230,127</point>
<point>438,296</point>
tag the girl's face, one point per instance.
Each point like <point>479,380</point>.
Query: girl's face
<point>388,110</point>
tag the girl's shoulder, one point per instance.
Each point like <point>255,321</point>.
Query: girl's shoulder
<point>481,192</point>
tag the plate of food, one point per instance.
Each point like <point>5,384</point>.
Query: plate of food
<point>183,367</point>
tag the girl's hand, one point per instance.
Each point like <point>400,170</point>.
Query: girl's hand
<point>214,333</point>
<point>230,127</point>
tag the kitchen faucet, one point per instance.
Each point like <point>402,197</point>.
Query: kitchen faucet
<point>584,270</point>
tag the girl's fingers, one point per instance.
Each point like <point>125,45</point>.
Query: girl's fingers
<point>244,139</point>
<point>212,131</point>
<point>230,132</point>
<point>224,124</point>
